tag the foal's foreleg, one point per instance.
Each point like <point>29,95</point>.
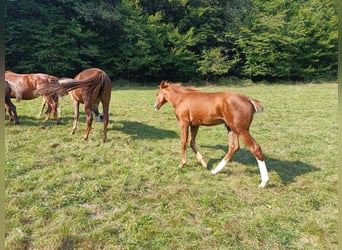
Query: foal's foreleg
<point>233,147</point>
<point>194,130</point>
<point>184,139</point>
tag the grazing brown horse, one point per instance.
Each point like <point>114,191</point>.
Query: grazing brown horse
<point>194,108</point>
<point>9,106</point>
<point>90,87</point>
<point>28,83</point>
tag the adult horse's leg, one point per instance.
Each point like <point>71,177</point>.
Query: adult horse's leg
<point>256,151</point>
<point>55,107</point>
<point>42,107</point>
<point>233,148</point>
<point>76,114</point>
<point>184,139</point>
<point>12,111</point>
<point>89,119</point>
<point>97,114</point>
<point>194,130</point>
<point>8,109</point>
<point>52,106</point>
<point>105,107</point>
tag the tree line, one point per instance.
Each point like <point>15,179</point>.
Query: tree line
<point>147,40</point>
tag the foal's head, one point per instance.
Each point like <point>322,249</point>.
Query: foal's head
<point>161,95</point>
<point>167,89</point>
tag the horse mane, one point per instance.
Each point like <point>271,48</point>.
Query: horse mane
<point>182,88</point>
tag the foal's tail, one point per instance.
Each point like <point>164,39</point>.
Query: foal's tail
<point>69,84</point>
<point>12,86</point>
<point>257,105</point>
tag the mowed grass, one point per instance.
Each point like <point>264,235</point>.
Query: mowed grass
<point>66,193</point>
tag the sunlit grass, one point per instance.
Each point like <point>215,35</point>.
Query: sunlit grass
<point>128,193</point>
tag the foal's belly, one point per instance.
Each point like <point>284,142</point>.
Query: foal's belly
<point>204,122</point>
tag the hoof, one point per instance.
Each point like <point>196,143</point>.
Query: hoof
<point>181,165</point>
<point>262,184</point>
<point>99,118</point>
<point>204,164</point>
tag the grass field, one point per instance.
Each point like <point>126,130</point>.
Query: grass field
<point>128,193</point>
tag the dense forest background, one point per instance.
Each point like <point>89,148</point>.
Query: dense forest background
<point>179,40</point>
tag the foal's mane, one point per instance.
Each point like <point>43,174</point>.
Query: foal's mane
<point>182,88</point>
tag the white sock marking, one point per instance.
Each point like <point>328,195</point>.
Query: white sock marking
<point>263,173</point>
<point>219,167</point>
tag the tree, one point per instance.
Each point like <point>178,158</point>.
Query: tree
<point>296,40</point>
<point>174,39</point>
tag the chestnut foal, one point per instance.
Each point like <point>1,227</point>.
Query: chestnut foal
<point>194,108</point>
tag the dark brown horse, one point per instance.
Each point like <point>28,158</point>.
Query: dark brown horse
<point>9,106</point>
<point>90,87</point>
<point>194,108</point>
<point>28,83</point>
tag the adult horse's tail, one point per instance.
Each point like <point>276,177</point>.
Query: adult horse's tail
<point>256,105</point>
<point>13,87</point>
<point>94,83</point>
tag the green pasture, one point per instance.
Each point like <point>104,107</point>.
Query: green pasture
<point>66,193</point>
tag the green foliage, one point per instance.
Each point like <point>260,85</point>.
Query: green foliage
<point>214,63</point>
<point>296,41</point>
<point>174,39</point>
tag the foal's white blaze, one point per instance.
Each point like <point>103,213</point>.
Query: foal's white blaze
<point>263,173</point>
<point>219,167</point>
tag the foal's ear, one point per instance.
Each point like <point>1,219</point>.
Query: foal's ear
<point>163,84</point>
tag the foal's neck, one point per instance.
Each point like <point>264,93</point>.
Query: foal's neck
<point>175,97</point>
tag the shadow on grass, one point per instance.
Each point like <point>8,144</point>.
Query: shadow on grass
<point>39,121</point>
<point>140,130</point>
<point>31,121</point>
<point>287,170</point>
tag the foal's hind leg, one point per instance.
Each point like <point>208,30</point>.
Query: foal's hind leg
<point>194,130</point>
<point>256,151</point>
<point>233,147</point>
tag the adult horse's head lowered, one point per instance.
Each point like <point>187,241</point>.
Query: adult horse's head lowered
<point>194,108</point>
<point>28,83</point>
<point>90,87</point>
